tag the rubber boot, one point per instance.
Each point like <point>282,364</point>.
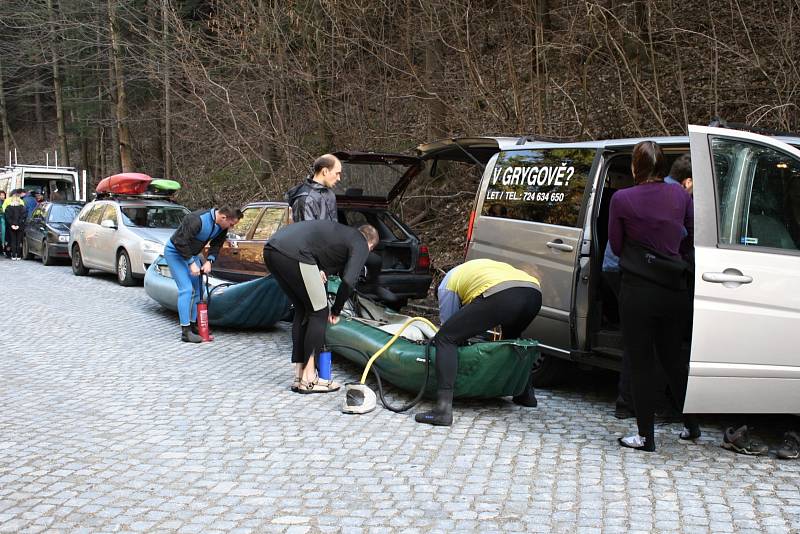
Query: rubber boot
<point>527,397</point>
<point>442,415</point>
<point>188,336</point>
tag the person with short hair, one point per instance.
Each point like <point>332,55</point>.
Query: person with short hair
<point>301,256</point>
<point>474,297</point>
<point>182,253</point>
<point>314,198</point>
<point>29,198</point>
<point>646,228</point>
<point>681,173</point>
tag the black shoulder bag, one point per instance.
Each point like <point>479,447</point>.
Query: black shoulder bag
<point>642,261</point>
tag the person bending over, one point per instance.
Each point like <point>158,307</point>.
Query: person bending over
<point>474,297</point>
<point>301,256</point>
<point>182,253</point>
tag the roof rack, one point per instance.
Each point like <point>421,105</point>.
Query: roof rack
<point>718,122</point>
<point>542,138</point>
<point>143,196</point>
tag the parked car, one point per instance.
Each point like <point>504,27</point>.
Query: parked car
<point>122,235</point>
<point>47,231</point>
<point>370,182</point>
<point>543,207</point>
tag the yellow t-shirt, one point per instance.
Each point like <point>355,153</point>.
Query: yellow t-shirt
<point>473,278</point>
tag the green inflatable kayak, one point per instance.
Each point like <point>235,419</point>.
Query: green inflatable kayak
<point>485,369</point>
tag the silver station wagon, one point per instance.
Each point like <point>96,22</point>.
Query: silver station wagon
<point>122,236</point>
<point>543,207</point>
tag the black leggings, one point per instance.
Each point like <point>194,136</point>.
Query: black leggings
<point>654,321</point>
<point>308,326</point>
<point>513,309</point>
<point>16,238</point>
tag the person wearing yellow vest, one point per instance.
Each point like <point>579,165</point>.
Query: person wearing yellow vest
<point>474,297</point>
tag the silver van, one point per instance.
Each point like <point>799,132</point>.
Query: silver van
<point>543,207</point>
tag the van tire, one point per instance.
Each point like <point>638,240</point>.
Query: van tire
<point>549,371</point>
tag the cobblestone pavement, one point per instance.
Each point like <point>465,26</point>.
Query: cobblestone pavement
<point>109,424</point>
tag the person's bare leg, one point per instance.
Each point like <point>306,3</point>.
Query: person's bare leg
<point>310,370</point>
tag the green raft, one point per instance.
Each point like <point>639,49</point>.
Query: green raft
<point>485,369</point>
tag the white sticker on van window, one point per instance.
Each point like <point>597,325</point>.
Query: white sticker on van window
<point>534,175</point>
<point>749,240</point>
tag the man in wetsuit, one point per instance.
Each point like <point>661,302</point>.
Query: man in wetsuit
<point>182,253</point>
<point>301,256</point>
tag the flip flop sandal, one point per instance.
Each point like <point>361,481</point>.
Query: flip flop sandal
<point>318,386</point>
<point>296,384</point>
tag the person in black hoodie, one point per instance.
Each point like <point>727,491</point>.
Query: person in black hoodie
<point>314,198</point>
<point>15,215</point>
<point>301,256</point>
<point>182,253</point>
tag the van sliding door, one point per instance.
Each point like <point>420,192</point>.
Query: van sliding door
<point>530,214</point>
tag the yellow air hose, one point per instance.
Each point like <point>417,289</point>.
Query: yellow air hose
<point>391,341</point>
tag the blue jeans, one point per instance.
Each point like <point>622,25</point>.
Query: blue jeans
<point>188,286</point>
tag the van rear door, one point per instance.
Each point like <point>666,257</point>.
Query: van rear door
<point>745,356</point>
<point>530,213</point>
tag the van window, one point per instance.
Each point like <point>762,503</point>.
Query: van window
<point>543,185</point>
<point>758,190</point>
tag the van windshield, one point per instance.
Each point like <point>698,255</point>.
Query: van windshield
<point>153,216</point>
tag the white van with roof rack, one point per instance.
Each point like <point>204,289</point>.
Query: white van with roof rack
<point>543,207</point>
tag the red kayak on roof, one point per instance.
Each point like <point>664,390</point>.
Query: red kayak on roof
<point>127,183</point>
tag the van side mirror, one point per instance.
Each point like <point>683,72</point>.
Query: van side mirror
<point>108,223</point>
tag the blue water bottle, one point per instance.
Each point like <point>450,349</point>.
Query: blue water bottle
<point>325,364</point>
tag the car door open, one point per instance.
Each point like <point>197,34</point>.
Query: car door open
<point>745,356</point>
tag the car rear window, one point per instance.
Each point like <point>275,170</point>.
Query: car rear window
<point>64,213</point>
<point>544,185</point>
<point>369,179</point>
<point>153,216</point>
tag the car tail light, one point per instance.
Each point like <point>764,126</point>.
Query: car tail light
<point>469,229</point>
<point>424,259</point>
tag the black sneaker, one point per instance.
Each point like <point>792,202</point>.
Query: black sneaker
<point>791,446</point>
<point>740,441</point>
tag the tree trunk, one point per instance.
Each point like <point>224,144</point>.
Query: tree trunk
<point>4,119</point>
<point>37,110</point>
<point>167,103</point>
<point>433,75</point>
<point>60,129</point>
<point>123,133</point>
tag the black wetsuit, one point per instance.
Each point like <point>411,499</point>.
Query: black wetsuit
<point>334,249</point>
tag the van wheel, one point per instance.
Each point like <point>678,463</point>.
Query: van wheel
<point>549,371</point>
<point>26,252</point>
<point>47,259</point>
<point>78,269</point>
<point>124,273</point>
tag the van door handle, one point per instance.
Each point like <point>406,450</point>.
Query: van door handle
<point>728,278</point>
<point>560,245</point>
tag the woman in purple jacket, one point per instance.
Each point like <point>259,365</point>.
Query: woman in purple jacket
<point>651,228</point>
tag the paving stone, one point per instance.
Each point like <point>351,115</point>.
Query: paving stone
<point>108,423</point>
